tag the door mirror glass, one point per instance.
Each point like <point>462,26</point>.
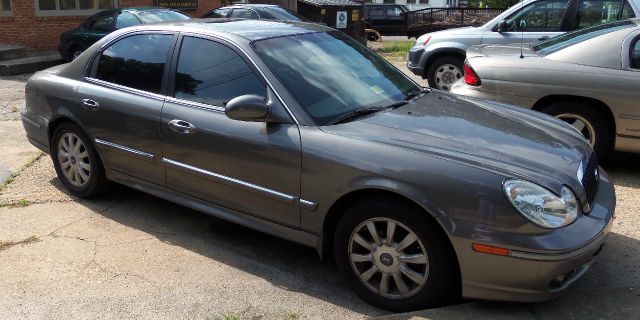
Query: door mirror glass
<point>503,26</point>
<point>249,107</point>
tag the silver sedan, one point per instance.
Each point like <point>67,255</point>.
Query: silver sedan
<point>588,78</point>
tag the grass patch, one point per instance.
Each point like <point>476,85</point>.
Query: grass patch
<point>4,245</point>
<point>394,50</point>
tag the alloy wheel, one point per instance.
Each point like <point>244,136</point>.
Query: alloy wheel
<point>446,76</point>
<point>74,160</point>
<point>389,258</point>
<point>581,125</point>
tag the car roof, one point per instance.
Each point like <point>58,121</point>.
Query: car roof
<point>142,9</point>
<point>253,5</point>
<point>244,28</point>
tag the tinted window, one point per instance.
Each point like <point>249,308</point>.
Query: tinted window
<point>126,19</point>
<point>568,39</point>
<point>591,13</point>
<point>244,13</point>
<point>211,73</point>
<point>218,13</point>
<point>376,12</point>
<point>635,54</point>
<point>102,24</point>
<point>161,15</point>
<point>136,62</point>
<point>540,16</point>
<point>627,11</point>
<point>394,11</point>
<point>330,74</point>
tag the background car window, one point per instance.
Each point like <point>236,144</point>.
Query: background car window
<point>211,73</point>
<point>244,13</point>
<point>394,12</point>
<point>137,61</point>
<point>539,16</point>
<point>627,11</point>
<point>277,13</point>
<point>102,24</point>
<point>376,12</point>
<point>218,13</point>
<point>591,13</point>
<point>635,55</point>
<point>566,40</point>
<point>126,19</point>
<point>161,15</point>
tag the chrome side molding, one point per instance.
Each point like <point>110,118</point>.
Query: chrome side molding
<point>123,149</point>
<point>231,181</point>
<point>29,121</point>
<point>306,204</point>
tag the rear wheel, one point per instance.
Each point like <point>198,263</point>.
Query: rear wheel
<point>586,120</point>
<point>394,257</point>
<point>76,161</point>
<point>444,72</point>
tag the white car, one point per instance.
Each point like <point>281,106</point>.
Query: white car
<point>439,56</point>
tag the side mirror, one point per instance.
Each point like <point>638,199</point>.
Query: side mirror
<point>249,107</point>
<point>503,26</point>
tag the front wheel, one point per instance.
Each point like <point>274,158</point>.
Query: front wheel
<point>586,120</point>
<point>444,72</point>
<point>394,257</point>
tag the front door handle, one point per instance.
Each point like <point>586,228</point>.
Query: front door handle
<point>182,127</point>
<point>91,105</point>
<point>543,38</point>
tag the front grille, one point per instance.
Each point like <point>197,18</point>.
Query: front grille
<point>590,178</point>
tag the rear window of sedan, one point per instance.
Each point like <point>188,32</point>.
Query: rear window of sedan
<point>558,43</point>
<point>161,16</point>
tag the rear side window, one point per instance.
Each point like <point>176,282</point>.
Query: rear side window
<point>211,73</point>
<point>126,19</point>
<point>376,12</point>
<point>591,13</point>
<point>137,61</point>
<point>102,24</point>
<point>218,13</point>
<point>244,13</point>
<point>635,54</point>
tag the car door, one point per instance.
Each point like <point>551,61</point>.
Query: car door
<point>121,101</point>
<point>535,22</point>
<point>97,28</point>
<point>251,167</point>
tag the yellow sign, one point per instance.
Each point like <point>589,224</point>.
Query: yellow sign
<point>323,11</point>
<point>355,15</point>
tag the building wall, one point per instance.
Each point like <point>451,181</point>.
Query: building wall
<point>39,33</point>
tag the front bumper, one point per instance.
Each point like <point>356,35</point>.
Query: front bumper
<point>541,265</point>
<point>416,60</point>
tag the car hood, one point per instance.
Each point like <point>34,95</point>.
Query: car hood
<point>508,140</point>
<point>455,31</point>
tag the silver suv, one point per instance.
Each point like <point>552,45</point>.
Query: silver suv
<point>439,56</point>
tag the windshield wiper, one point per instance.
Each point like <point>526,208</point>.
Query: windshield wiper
<point>357,113</point>
<point>416,93</point>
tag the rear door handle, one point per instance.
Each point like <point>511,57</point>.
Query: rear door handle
<point>182,127</point>
<point>543,38</point>
<point>91,105</point>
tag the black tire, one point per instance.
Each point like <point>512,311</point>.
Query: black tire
<point>440,63</point>
<point>96,182</point>
<point>442,285</point>
<point>603,143</point>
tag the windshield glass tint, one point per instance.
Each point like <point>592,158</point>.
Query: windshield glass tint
<point>566,40</point>
<point>160,16</point>
<point>330,74</point>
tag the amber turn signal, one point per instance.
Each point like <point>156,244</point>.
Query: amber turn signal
<point>490,249</point>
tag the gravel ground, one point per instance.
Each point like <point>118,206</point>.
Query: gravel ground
<point>12,96</point>
<point>128,254</point>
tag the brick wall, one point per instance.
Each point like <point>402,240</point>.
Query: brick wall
<point>43,33</point>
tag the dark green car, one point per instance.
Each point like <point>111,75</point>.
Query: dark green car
<point>73,42</point>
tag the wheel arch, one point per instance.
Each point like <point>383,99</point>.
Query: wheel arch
<point>443,52</point>
<point>601,107</point>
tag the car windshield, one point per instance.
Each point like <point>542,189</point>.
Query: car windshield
<point>161,15</point>
<point>277,13</point>
<point>560,42</point>
<point>331,75</point>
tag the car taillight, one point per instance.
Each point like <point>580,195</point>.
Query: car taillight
<point>470,76</point>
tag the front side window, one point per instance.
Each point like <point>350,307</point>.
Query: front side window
<point>591,13</point>
<point>394,12</point>
<point>137,61</point>
<point>330,74</point>
<point>540,16</point>
<point>244,14</point>
<point>635,54</point>
<point>211,73</point>
<point>566,40</point>
<point>102,24</point>
<point>126,19</point>
<point>72,7</point>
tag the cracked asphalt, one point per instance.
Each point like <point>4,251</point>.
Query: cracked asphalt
<point>130,255</point>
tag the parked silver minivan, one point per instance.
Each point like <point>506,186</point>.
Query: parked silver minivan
<point>439,56</point>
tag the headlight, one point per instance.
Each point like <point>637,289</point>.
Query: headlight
<point>540,205</point>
